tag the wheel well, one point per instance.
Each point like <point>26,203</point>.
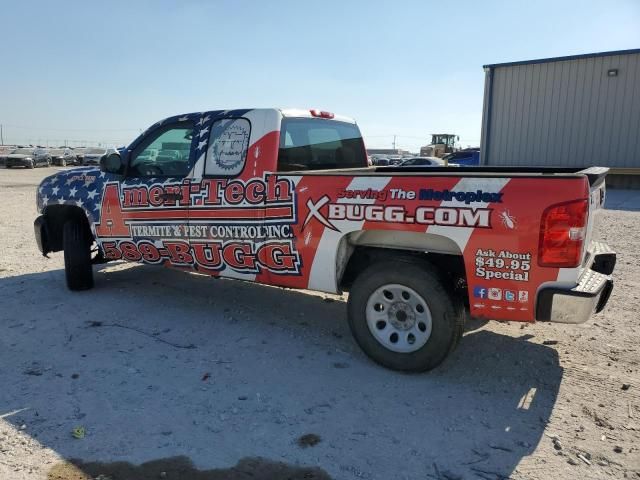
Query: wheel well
<point>450,268</point>
<point>56,216</point>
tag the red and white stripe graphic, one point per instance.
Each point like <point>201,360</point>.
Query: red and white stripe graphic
<point>323,271</point>
<point>461,235</point>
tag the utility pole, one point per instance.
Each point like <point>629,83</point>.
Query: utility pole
<point>1,136</point>
<point>394,142</point>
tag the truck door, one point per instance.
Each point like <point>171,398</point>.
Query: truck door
<point>239,208</point>
<point>144,216</point>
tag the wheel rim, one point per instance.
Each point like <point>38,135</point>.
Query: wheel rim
<point>399,318</point>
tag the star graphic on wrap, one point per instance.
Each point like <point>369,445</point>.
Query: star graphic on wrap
<point>79,203</point>
<point>201,144</point>
<point>92,194</point>
<point>73,191</point>
<point>45,200</point>
<point>203,131</point>
<point>69,181</point>
<point>61,201</point>
<point>200,122</point>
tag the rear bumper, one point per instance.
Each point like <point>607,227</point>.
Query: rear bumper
<point>575,304</point>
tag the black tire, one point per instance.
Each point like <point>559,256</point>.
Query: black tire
<point>32,164</point>
<point>63,163</point>
<point>77,256</point>
<point>447,314</point>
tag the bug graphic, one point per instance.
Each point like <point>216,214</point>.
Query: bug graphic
<point>508,220</point>
<point>307,237</point>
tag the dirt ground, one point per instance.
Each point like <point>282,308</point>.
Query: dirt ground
<point>163,374</point>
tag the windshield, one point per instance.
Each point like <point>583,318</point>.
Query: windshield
<point>96,151</point>
<point>23,151</point>
<point>56,151</point>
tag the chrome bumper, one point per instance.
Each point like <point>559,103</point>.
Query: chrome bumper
<point>576,304</point>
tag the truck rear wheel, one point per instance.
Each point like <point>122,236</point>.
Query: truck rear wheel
<point>77,256</point>
<point>402,317</point>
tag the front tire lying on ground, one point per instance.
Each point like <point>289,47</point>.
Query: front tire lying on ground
<point>402,317</point>
<point>77,256</point>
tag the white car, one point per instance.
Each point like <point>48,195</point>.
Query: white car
<point>423,162</point>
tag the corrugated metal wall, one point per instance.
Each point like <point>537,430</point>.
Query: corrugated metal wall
<point>564,113</point>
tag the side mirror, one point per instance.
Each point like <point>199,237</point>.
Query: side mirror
<point>112,163</point>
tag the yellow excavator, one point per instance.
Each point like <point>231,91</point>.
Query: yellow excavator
<point>441,144</point>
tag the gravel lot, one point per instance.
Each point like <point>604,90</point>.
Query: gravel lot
<point>212,379</point>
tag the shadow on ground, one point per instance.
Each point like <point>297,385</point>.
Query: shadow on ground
<point>157,364</point>
<point>182,468</point>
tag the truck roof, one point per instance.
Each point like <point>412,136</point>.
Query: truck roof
<point>299,112</point>
<point>285,112</point>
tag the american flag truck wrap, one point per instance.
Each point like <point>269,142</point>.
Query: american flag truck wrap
<point>286,198</point>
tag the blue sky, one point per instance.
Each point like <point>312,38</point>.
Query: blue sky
<point>103,71</point>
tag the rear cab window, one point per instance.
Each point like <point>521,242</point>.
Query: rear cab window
<point>320,144</point>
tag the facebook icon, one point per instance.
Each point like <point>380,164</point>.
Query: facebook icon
<point>479,292</point>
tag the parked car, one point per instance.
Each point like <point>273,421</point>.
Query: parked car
<point>92,156</point>
<point>418,253</point>
<point>469,156</point>
<point>5,151</point>
<point>78,152</point>
<point>29,158</point>
<point>395,159</point>
<point>168,156</point>
<point>381,162</point>
<point>150,154</point>
<point>62,156</point>
<point>423,162</point>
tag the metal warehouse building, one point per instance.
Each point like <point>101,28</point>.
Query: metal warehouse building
<point>579,110</point>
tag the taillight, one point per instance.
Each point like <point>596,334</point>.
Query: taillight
<point>321,114</point>
<point>562,233</point>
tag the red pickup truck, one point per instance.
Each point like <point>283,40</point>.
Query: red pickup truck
<point>286,198</point>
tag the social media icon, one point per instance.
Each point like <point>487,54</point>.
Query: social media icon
<point>523,296</point>
<point>495,294</point>
<point>479,292</point>
<point>510,295</point>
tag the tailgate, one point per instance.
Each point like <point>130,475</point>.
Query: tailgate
<point>597,196</point>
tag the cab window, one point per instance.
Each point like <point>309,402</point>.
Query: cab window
<point>318,144</point>
<point>165,152</point>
